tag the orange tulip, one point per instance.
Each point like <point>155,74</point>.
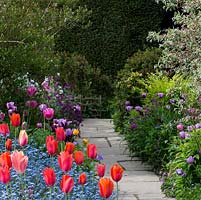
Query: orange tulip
<point>60,134</point>
<point>5,160</point>
<point>8,144</point>
<point>4,175</point>
<point>116,172</point>
<point>49,176</point>
<point>51,145</point>
<point>91,151</point>
<point>70,147</point>
<point>23,138</point>
<point>82,179</point>
<point>4,130</point>
<point>76,132</point>
<point>106,187</point>
<point>65,161</point>
<point>15,119</point>
<point>66,184</point>
<point>79,157</point>
<point>19,161</point>
<point>100,170</point>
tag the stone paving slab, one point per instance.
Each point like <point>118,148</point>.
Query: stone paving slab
<point>139,182</point>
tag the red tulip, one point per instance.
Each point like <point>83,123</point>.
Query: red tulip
<point>116,172</point>
<point>60,134</point>
<point>23,138</point>
<point>82,179</point>
<point>4,175</point>
<point>100,170</point>
<point>8,144</point>
<point>49,176</point>
<point>79,157</point>
<point>48,113</point>
<point>65,161</point>
<point>4,130</point>
<point>66,184</point>
<point>106,187</point>
<point>15,119</point>
<point>91,151</point>
<point>19,161</point>
<point>51,145</point>
<point>5,160</point>
<point>70,147</point>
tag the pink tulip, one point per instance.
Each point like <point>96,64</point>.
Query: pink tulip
<point>23,138</point>
<point>100,170</point>
<point>31,90</point>
<point>19,161</point>
<point>65,161</point>
<point>48,113</point>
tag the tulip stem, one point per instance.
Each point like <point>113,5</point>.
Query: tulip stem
<point>7,191</point>
<point>44,124</point>
<point>52,159</point>
<point>15,138</point>
<point>50,193</point>
<point>5,143</point>
<point>83,192</point>
<point>117,191</point>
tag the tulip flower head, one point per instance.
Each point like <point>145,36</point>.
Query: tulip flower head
<point>79,157</point>
<point>66,184</point>
<point>91,151</point>
<point>76,132</point>
<point>100,169</point>
<point>8,144</point>
<point>180,127</point>
<point>116,172</point>
<point>15,119</point>
<point>48,113</point>
<point>60,134</point>
<point>23,138</point>
<point>49,176</point>
<point>19,161</point>
<point>51,145</point>
<point>65,161</point>
<point>82,179</point>
<point>190,160</point>
<point>4,130</point>
<point>5,160</point>
<point>2,116</point>
<point>106,187</point>
<point>31,90</point>
<point>70,147</point>
<point>5,175</point>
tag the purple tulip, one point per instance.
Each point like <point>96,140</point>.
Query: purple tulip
<point>39,125</point>
<point>167,107</point>
<point>129,108</point>
<point>160,95</point>
<point>31,90</point>
<point>69,132</point>
<point>2,116</point>
<point>99,157</point>
<point>190,128</point>
<point>127,103</point>
<point>182,135</point>
<point>48,113</point>
<point>180,127</point>
<point>180,172</point>
<point>77,107</point>
<point>10,105</point>
<point>143,95</point>
<point>133,125</point>
<point>190,160</point>
<point>172,101</point>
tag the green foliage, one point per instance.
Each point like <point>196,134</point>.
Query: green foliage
<point>187,186</point>
<point>118,28</point>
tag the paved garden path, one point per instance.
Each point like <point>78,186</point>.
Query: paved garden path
<point>138,182</point>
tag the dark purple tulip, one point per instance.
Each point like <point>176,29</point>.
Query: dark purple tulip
<point>32,104</point>
<point>77,107</point>
<point>2,116</point>
<point>172,101</point>
<point>39,125</point>
<point>143,95</point>
<point>129,108</point>
<point>133,125</point>
<point>190,160</point>
<point>182,134</point>
<point>160,95</point>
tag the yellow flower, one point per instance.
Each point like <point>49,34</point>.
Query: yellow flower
<point>85,141</point>
<point>76,132</point>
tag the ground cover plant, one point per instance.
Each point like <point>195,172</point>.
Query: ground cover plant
<point>47,160</point>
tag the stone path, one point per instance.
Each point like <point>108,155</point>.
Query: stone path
<point>138,182</point>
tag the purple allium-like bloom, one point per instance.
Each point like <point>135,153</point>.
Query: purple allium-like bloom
<point>31,90</point>
<point>160,95</point>
<point>167,107</point>
<point>180,127</point>
<point>190,160</point>
<point>42,107</point>
<point>2,116</point>
<point>39,125</point>
<point>180,172</point>
<point>133,125</point>
<point>138,108</point>
<point>172,101</point>
<point>143,95</point>
<point>69,131</point>
<point>129,108</point>
<point>127,103</point>
<point>182,135</point>
<point>99,157</point>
